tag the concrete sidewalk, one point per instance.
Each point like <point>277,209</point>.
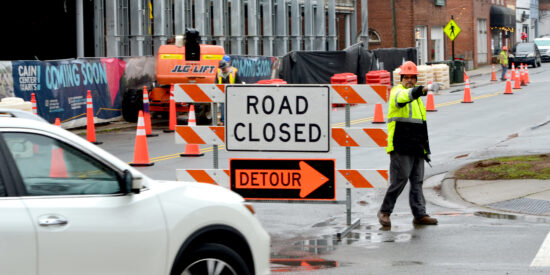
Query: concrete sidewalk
<point>530,197</point>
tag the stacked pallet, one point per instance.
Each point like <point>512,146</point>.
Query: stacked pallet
<point>425,75</point>
<point>441,75</point>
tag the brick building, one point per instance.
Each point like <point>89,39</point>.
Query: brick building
<point>485,26</point>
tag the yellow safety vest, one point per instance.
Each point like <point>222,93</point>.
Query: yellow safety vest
<point>503,58</point>
<point>407,119</point>
<point>232,73</point>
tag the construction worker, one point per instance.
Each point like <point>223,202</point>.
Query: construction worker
<point>226,75</point>
<point>408,145</point>
<point>503,60</point>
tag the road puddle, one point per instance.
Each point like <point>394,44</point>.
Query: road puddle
<point>306,255</point>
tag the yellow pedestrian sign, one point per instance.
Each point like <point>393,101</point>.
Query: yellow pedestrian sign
<point>452,29</point>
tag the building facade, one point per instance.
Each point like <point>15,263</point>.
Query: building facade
<point>486,25</point>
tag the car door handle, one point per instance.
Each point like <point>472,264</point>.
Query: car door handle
<point>52,220</point>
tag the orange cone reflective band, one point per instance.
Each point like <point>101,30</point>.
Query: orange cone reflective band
<point>378,114</point>
<point>141,151</point>
<point>493,73</point>
<point>517,81</point>
<point>508,90</point>
<point>192,150</point>
<point>172,112</point>
<point>430,107</point>
<point>90,126</point>
<point>33,101</point>
<point>147,114</point>
<point>467,97</point>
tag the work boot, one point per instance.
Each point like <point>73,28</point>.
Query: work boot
<point>426,220</point>
<point>384,219</point>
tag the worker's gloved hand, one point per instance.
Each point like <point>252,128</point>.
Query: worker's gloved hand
<point>427,157</point>
<point>433,87</point>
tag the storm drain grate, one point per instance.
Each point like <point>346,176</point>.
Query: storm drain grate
<point>524,205</point>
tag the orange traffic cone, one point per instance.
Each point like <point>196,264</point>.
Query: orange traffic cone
<point>147,114</point>
<point>172,112</point>
<point>141,151</point>
<point>467,97</point>
<point>33,101</point>
<point>517,81</point>
<point>90,126</point>
<point>513,72</point>
<point>378,114</point>
<point>430,103</point>
<point>522,76</point>
<point>493,74</point>
<point>527,75</point>
<point>508,90</point>
<point>58,169</point>
<point>192,150</point>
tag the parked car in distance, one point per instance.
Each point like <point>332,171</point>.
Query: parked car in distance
<point>69,207</point>
<point>544,47</point>
<point>525,53</point>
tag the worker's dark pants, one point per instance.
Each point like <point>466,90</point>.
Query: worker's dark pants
<point>504,69</point>
<point>402,169</point>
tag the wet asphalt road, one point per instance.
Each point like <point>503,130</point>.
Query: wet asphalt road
<point>468,240</point>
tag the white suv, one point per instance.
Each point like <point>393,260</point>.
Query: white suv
<point>69,207</point>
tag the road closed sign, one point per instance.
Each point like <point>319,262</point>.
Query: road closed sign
<point>283,179</point>
<point>286,118</point>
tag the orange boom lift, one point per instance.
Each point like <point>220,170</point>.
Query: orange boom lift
<point>183,62</point>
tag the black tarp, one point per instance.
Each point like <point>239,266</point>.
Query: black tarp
<point>317,67</point>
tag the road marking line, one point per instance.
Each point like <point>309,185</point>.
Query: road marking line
<point>543,256</point>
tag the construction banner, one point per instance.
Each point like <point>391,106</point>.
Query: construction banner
<point>60,86</point>
<point>252,69</point>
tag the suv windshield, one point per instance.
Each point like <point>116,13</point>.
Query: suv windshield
<point>524,47</point>
<point>544,42</point>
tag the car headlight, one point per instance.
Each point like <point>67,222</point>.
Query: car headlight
<point>531,55</point>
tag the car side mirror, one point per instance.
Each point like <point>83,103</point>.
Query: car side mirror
<point>131,184</point>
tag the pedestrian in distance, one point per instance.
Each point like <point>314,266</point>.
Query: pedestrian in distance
<point>503,60</point>
<point>408,145</point>
<point>226,75</point>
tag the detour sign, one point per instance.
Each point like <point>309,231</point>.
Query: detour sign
<point>273,179</point>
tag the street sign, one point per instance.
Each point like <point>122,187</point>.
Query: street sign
<point>283,179</point>
<point>452,29</point>
<point>282,118</point>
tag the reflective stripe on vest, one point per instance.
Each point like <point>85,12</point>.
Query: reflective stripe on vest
<point>231,76</point>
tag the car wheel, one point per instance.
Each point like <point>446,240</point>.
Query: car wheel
<point>212,258</point>
<point>132,102</point>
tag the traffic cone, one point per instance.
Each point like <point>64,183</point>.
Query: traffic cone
<point>58,169</point>
<point>517,84</point>
<point>527,75</point>
<point>192,150</point>
<point>522,76</point>
<point>141,151</point>
<point>493,74</point>
<point>147,114</point>
<point>513,72</point>
<point>33,101</point>
<point>430,103</point>
<point>508,90</point>
<point>467,97</point>
<point>378,114</point>
<point>172,112</point>
<point>90,126</point>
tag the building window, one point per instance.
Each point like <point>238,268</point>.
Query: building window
<point>374,37</point>
<point>439,2</point>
